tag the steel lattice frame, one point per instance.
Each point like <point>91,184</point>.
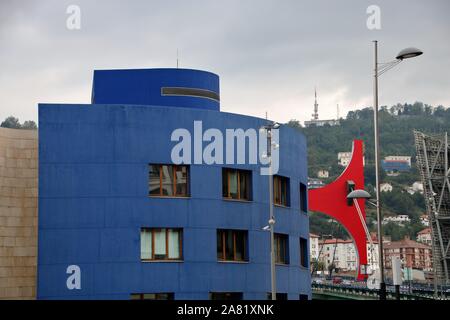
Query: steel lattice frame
<point>433,154</point>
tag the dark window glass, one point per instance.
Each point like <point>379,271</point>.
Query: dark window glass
<point>281,191</point>
<point>303,252</point>
<point>192,92</point>
<point>152,296</point>
<point>279,296</point>
<point>168,180</point>
<point>303,198</point>
<point>281,248</point>
<point>303,297</point>
<point>154,180</point>
<point>232,245</point>
<point>236,184</point>
<point>225,295</point>
<point>161,244</point>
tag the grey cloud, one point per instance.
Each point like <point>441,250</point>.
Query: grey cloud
<point>269,54</point>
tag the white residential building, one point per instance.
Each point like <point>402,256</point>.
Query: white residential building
<point>345,255</point>
<point>399,219</point>
<point>386,187</point>
<point>344,158</point>
<point>425,220</point>
<point>323,174</point>
<point>313,247</point>
<point>424,236</point>
<point>399,158</point>
<point>417,187</point>
<point>340,252</point>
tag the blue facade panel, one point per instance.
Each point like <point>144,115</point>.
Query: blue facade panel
<point>93,201</point>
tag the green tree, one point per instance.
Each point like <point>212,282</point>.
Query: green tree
<point>11,122</point>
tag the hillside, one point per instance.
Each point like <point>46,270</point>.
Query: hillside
<point>396,138</point>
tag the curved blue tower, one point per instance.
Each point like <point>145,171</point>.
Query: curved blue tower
<point>118,219</point>
<point>158,87</point>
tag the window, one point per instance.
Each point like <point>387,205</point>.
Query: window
<point>303,297</point>
<point>281,191</point>
<point>161,244</point>
<point>225,295</point>
<point>168,180</point>
<point>190,92</point>
<point>281,248</point>
<point>236,184</point>
<point>303,198</point>
<point>303,252</point>
<point>232,245</point>
<point>278,296</point>
<point>152,296</point>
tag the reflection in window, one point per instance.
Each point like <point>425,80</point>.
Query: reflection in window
<point>281,248</point>
<point>168,180</point>
<point>236,184</point>
<point>281,191</point>
<point>232,245</point>
<point>161,244</point>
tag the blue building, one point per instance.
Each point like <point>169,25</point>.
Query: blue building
<point>395,165</point>
<point>119,220</point>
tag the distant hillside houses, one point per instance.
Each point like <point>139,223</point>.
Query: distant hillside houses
<point>416,187</point>
<point>314,183</point>
<point>386,187</point>
<point>323,174</point>
<point>345,157</point>
<point>321,123</point>
<point>425,220</point>
<point>424,236</point>
<point>395,164</point>
<point>399,219</point>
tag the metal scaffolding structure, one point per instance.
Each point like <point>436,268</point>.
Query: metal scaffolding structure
<point>433,154</point>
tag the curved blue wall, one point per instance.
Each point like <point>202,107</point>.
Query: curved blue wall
<point>143,87</point>
<point>93,201</point>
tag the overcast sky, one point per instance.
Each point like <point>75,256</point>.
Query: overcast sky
<point>269,54</point>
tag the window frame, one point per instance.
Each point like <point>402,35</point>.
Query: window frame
<point>227,172</point>
<point>166,257</point>
<point>303,198</point>
<point>278,260</point>
<point>223,239</point>
<point>140,296</point>
<point>212,295</point>
<point>174,182</point>
<point>303,252</point>
<point>278,182</point>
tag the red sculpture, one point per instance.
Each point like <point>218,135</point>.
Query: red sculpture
<point>332,200</point>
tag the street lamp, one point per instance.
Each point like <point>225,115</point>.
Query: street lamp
<point>268,129</point>
<point>379,69</point>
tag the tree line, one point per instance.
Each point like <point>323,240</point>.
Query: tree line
<point>14,123</point>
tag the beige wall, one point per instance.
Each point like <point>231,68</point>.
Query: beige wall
<point>18,213</point>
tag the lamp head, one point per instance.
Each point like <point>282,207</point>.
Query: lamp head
<point>359,194</point>
<point>408,53</point>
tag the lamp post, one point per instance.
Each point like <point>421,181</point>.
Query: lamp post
<point>268,128</point>
<point>379,69</point>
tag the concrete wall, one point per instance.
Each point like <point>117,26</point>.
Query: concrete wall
<point>18,213</point>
